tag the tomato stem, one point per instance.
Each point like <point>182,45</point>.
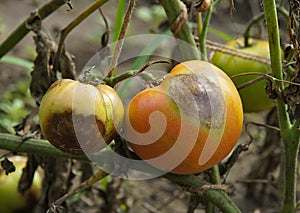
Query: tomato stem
<point>42,147</point>
<point>119,43</point>
<point>64,33</point>
<point>262,76</point>
<point>215,176</point>
<point>176,12</point>
<point>256,19</point>
<point>289,134</point>
<point>112,81</point>
<point>202,31</point>
<point>21,30</point>
<point>218,197</point>
<point>99,175</point>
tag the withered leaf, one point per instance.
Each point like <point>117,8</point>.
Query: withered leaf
<point>271,89</point>
<point>67,65</point>
<point>291,96</point>
<point>27,174</point>
<point>8,166</point>
<point>43,74</point>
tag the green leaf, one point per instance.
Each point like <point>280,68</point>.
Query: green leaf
<point>6,126</point>
<point>142,60</point>
<point>119,19</point>
<point>104,183</point>
<point>147,51</point>
<point>220,34</point>
<point>28,65</point>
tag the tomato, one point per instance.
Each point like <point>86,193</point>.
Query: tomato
<point>77,117</point>
<point>254,97</point>
<point>11,200</point>
<point>188,123</point>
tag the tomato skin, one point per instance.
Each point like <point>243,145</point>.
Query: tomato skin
<point>254,97</point>
<point>12,200</point>
<point>179,133</point>
<point>71,111</point>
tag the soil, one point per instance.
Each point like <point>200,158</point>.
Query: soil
<point>156,195</point>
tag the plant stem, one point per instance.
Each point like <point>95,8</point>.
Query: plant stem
<point>72,25</point>
<point>21,31</point>
<point>43,147</point>
<point>119,43</point>
<point>215,176</point>
<point>204,29</point>
<point>274,39</point>
<point>257,19</point>
<point>218,197</point>
<point>35,146</point>
<point>99,175</point>
<point>275,57</point>
<point>174,10</point>
<point>253,21</point>
<point>112,81</point>
<point>291,150</point>
<point>290,135</point>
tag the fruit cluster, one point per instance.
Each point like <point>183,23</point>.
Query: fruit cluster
<point>187,124</point>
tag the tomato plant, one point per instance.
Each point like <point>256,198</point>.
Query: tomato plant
<point>195,97</point>
<point>185,125</point>
<point>254,97</point>
<point>11,199</point>
<point>71,110</point>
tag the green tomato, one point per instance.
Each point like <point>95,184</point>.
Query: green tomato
<point>254,97</point>
<point>11,200</point>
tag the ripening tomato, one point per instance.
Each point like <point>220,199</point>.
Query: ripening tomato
<point>11,199</point>
<point>188,123</point>
<point>254,97</point>
<point>80,118</point>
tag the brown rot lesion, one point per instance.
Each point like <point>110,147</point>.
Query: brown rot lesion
<point>193,93</point>
<point>76,133</point>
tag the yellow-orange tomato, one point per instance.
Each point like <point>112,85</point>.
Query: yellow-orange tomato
<point>11,199</point>
<point>254,97</point>
<point>188,123</point>
<point>77,117</point>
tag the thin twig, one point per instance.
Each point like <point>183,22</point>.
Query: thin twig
<point>119,43</point>
<point>263,125</point>
<point>216,196</point>
<point>264,76</point>
<point>249,83</point>
<point>200,190</point>
<point>21,31</point>
<point>99,175</point>
<point>112,81</point>
<point>72,25</point>
<point>242,147</point>
<point>203,32</point>
<point>236,52</point>
<point>257,124</point>
<point>250,181</point>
